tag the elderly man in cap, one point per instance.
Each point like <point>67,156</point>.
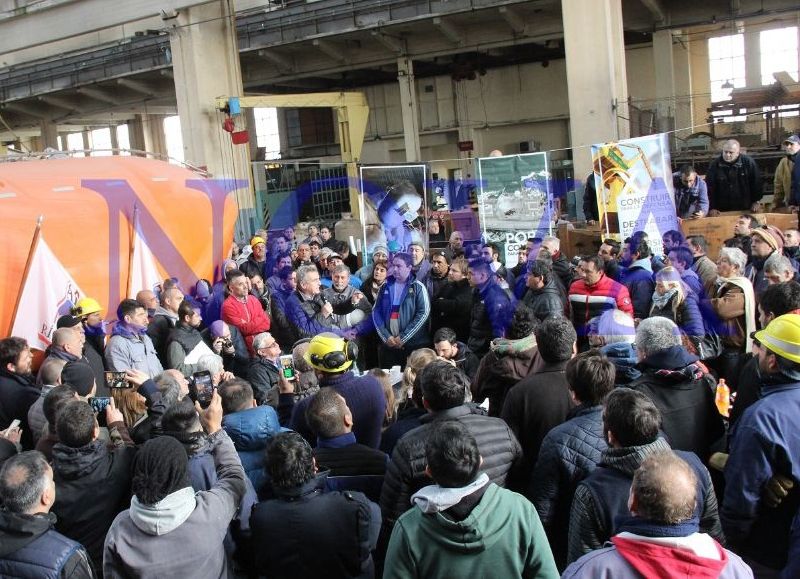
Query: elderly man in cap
<point>764,242</point>
<point>786,181</point>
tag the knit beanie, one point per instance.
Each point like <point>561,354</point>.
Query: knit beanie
<point>771,235</point>
<point>159,469</point>
<point>79,375</point>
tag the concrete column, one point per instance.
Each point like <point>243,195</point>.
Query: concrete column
<point>136,133</point>
<point>598,92</point>
<point>49,135</point>
<point>155,140</point>
<point>665,79</point>
<point>112,129</point>
<point>752,58</point>
<point>205,61</point>
<point>408,106</point>
<point>682,61</point>
<point>250,115</point>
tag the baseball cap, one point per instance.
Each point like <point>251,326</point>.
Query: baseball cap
<point>792,139</point>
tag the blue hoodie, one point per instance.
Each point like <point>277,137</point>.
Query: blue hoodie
<point>623,356</point>
<point>250,430</point>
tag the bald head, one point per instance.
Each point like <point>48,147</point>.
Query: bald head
<point>67,340</point>
<point>147,299</point>
<point>730,150</point>
<point>664,489</point>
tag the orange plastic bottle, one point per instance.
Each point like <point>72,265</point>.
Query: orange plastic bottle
<point>723,398</point>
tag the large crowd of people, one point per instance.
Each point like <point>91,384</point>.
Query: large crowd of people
<point>419,413</point>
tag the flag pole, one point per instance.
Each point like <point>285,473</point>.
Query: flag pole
<point>132,245</point>
<point>37,233</point>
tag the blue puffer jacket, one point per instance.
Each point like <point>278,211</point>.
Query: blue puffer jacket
<point>568,454</point>
<point>638,278</point>
<point>764,442</point>
<point>250,430</point>
<point>415,309</point>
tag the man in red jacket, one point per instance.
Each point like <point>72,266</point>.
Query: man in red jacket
<point>595,293</point>
<point>243,310</point>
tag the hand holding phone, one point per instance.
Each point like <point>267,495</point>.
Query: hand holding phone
<point>116,380</point>
<point>201,388</point>
<point>287,367</point>
<point>99,405</point>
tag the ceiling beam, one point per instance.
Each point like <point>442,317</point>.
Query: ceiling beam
<point>450,32</point>
<point>25,110</point>
<point>136,86</point>
<point>656,9</point>
<point>513,19</point>
<point>98,95</point>
<point>282,62</point>
<point>393,43</point>
<point>58,103</point>
<point>331,50</point>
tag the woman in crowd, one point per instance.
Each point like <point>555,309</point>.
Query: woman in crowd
<point>373,283</point>
<point>735,305</point>
<point>452,306</point>
<point>674,300</point>
<point>134,412</point>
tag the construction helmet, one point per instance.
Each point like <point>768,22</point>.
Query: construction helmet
<point>86,306</point>
<point>782,337</point>
<point>328,352</point>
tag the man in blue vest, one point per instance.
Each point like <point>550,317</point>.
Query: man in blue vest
<point>29,545</point>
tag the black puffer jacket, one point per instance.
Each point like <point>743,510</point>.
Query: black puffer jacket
<point>93,486</point>
<point>685,397</point>
<point>569,452</point>
<point>406,473</point>
<point>545,302</point>
<point>450,308</point>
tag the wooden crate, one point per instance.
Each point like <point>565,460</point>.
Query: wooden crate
<point>717,229</point>
<point>581,241</point>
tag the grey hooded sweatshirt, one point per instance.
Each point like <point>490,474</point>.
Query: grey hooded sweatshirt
<point>181,535</point>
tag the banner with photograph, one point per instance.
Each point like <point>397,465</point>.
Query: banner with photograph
<point>515,201</point>
<point>394,206</point>
<point>634,188</point>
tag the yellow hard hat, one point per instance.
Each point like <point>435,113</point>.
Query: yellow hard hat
<point>782,337</point>
<point>328,352</point>
<point>86,306</point>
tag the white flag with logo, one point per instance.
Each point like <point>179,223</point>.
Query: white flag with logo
<point>49,292</point>
<point>143,271</point>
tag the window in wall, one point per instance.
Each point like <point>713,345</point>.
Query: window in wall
<point>123,139</point>
<point>779,53</point>
<point>726,70</point>
<point>267,132</point>
<point>75,143</point>
<point>60,143</point>
<point>100,140</point>
<point>174,139</point>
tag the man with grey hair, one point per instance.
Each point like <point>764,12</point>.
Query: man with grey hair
<point>734,180</point>
<point>307,310</point>
<point>561,266</point>
<point>678,386</point>
<point>662,537</point>
<point>264,372</point>
<point>164,320</point>
<point>29,544</point>
<point>49,378</point>
<point>349,304</point>
<point>778,269</point>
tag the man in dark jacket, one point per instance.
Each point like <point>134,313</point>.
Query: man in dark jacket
<point>93,481</point>
<point>544,296</point>
<point>186,341</point>
<point>227,341</point>
<point>542,401</point>
<point>691,193</point>
<point>29,545</point>
<point>350,465</point>
<point>249,426</point>
<point>571,450</point>
<point>93,356</point>
<point>265,369</point>
<point>454,298</point>
<point>443,391</point>
<point>332,357</point>
<point>306,309</point>
<point>448,347</point>
<point>491,308</point>
<point>631,423</point>
<point>164,320</point>
<point>590,207</point>
<point>676,384</point>
<point>17,390</point>
<point>638,274</point>
<point>764,445</point>
<point>509,360</point>
<point>305,531</point>
<point>734,180</point>
<point>561,266</point>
